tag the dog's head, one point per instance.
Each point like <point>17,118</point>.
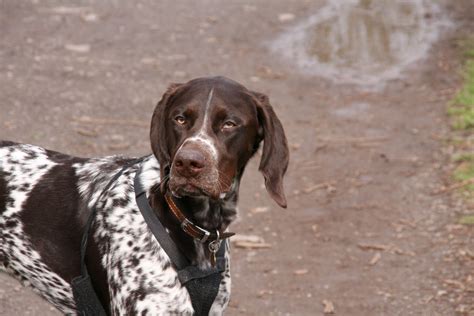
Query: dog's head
<point>203,133</point>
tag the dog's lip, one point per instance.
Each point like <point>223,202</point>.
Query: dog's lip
<point>192,190</point>
<point>188,189</point>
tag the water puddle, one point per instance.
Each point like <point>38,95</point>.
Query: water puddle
<point>364,42</point>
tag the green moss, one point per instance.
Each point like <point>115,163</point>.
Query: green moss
<point>467,220</point>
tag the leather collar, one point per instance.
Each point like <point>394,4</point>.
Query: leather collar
<point>192,229</point>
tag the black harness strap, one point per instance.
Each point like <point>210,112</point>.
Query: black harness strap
<point>202,285</point>
<point>87,302</point>
<point>157,227</point>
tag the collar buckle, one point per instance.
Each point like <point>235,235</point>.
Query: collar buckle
<point>205,237</point>
<point>185,223</point>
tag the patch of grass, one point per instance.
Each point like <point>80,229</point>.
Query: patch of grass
<point>465,171</point>
<point>464,157</point>
<point>462,108</point>
<point>467,220</point>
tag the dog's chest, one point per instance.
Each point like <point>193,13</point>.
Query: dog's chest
<point>141,277</point>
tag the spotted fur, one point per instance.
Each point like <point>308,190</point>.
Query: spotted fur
<point>202,134</point>
<point>140,277</point>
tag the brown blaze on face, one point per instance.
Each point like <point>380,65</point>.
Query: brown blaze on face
<point>203,133</point>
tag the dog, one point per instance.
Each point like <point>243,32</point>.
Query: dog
<point>202,135</point>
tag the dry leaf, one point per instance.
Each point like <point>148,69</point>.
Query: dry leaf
<point>378,247</point>
<point>454,283</point>
<point>69,10</point>
<point>328,307</point>
<point>78,48</point>
<point>375,259</point>
<point>251,245</point>
<point>285,17</point>
<point>300,271</point>
<point>260,209</point>
<point>249,242</point>
<point>86,132</point>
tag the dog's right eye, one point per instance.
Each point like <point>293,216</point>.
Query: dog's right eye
<point>181,120</point>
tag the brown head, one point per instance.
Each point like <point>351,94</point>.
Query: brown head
<point>203,133</point>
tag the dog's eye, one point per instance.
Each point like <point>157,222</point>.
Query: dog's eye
<point>228,125</point>
<point>181,120</point>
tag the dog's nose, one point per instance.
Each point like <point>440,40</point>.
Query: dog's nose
<point>189,162</point>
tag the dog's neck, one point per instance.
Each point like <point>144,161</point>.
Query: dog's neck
<point>204,212</point>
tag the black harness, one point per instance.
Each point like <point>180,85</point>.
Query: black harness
<point>202,285</point>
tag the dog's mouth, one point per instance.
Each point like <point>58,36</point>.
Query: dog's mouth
<point>188,190</point>
<point>182,188</point>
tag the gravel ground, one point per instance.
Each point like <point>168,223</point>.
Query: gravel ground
<point>363,231</point>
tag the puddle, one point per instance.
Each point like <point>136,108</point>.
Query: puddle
<point>364,42</point>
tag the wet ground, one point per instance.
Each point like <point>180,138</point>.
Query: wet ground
<point>364,232</point>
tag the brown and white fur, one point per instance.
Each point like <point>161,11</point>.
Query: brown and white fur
<point>202,135</point>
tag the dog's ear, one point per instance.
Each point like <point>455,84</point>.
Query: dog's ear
<point>158,135</point>
<point>275,156</point>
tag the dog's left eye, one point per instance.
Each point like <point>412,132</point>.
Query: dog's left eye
<point>228,125</point>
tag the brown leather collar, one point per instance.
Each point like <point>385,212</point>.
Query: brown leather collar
<point>192,229</point>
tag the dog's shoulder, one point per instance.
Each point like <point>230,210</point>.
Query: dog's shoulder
<point>141,277</point>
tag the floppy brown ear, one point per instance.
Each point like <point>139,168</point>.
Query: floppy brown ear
<point>275,156</point>
<point>158,128</point>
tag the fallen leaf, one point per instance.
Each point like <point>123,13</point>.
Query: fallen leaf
<point>454,283</point>
<point>269,73</point>
<point>86,132</point>
<point>441,292</point>
<point>375,259</point>
<point>399,251</point>
<point>264,292</point>
<point>249,242</point>
<point>89,17</point>
<point>78,48</point>
<point>328,307</point>
<point>251,245</point>
<point>285,17</point>
<point>300,271</point>
<point>378,247</point>
<point>326,185</point>
<point>260,209</point>
<point>68,10</point>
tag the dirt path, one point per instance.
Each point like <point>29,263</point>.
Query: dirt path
<point>363,229</point>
